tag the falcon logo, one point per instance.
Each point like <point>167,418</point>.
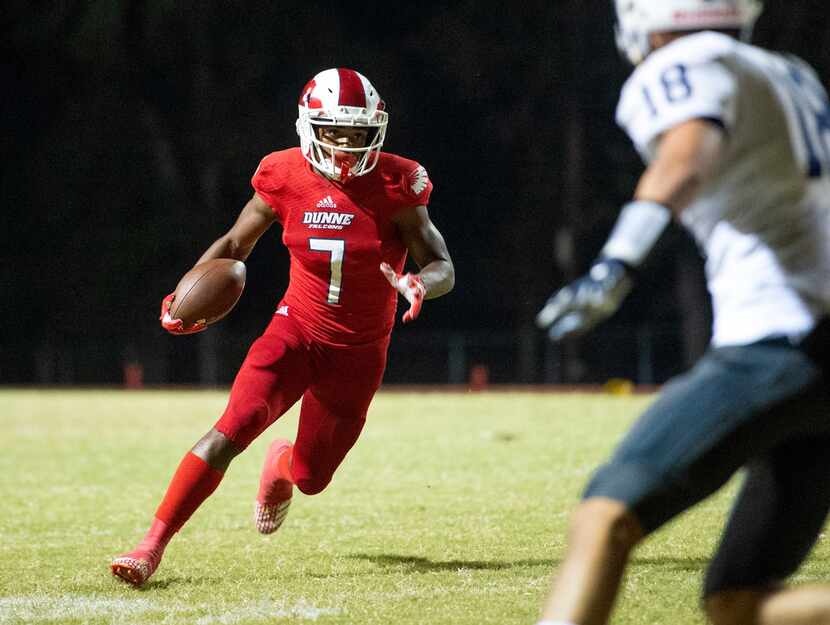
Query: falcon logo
<point>418,180</point>
<point>325,220</point>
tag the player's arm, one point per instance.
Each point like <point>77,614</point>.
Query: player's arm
<point>254,219</point>
<point>238,242</point>
<point>427,248</point>
<point>686,155</point>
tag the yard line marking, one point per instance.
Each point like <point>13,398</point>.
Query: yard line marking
<point>33,609</point>
<point>40,609</point>
<point>267,610</point>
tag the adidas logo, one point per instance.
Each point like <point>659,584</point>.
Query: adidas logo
<point>282,310</point>
<point>327,202</point>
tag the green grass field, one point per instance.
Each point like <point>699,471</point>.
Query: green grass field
<point>451,509</point>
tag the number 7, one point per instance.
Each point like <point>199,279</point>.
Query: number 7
<point>337,248</point>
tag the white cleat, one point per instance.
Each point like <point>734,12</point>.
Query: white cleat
<point>269,517</point>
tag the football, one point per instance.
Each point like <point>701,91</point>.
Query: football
<point>209,291</point>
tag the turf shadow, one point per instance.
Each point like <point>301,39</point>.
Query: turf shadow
<point>165,582</point>
<point>674,563</point>
<point>424,565</point>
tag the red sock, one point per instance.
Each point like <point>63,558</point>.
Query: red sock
<point>155,540</point>
<point>284,464</point>
<point>273,489</point>
<point>192,483</point>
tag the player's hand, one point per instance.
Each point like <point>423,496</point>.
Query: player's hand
<point>578,307</point>
<point>176,326</point>
<point>408,285</point>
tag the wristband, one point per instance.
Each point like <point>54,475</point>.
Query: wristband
<point>638,228</point>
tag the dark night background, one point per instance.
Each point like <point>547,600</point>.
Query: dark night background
<point>131,130</point>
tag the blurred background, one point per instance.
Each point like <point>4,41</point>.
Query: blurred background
<point>131,130</point>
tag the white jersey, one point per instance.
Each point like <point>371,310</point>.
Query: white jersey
<point>763,218</point>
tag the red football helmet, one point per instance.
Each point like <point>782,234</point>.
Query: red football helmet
<point>341,97</point>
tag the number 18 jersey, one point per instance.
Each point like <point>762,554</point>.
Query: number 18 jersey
<point>337,236</point>
<point>763,217</point>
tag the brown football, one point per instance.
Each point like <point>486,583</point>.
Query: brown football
<point>209,291</point>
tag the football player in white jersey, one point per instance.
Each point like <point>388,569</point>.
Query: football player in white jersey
<point>737,142</point>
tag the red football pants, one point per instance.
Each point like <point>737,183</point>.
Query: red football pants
<point>336,385</point>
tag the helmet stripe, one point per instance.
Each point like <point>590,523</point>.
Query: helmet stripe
<point>351,89</point>
<point>306,99</point>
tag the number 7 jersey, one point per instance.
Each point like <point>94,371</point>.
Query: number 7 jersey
<point>762,218</point>
<point>337,235</point>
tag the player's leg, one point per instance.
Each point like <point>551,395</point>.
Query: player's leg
<point>272,378</point>
<point>602,534</point>
<point>193,481</point>
<point>334,411</point>
<point>326,433</point>
<point>269,387</point>
<point>774,523</point>
<point>701,429</point>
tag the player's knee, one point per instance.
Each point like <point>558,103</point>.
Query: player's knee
<point>732,607</point>
<point>243,421</point>
<point>312,485</point>
<point>606,519</point>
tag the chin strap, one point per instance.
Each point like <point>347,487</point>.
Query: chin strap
<point>345,171</point>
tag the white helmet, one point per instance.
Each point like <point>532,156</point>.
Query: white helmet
<point>341,97</point>
<point>637,19</point>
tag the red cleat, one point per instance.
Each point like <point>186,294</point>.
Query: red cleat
<point>136,567</point>
<point>275,488</point>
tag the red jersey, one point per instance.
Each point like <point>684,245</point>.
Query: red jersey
<point>337,236</point>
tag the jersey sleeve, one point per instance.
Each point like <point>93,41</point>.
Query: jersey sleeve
<point>408,185</point>
<point>267,181</point>
<point>417,186</point>
<point>669,89</point>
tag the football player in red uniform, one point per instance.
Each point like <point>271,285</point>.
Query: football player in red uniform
<point>350,213</point>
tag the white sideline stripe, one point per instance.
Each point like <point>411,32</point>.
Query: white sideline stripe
<point>39,609</point>
<point>265,610</point>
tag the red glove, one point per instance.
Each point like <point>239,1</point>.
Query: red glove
<point>408,285</point>
<point>176,326</point>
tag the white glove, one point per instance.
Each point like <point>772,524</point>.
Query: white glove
<point>578,307</point>
<point>410,286</point>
